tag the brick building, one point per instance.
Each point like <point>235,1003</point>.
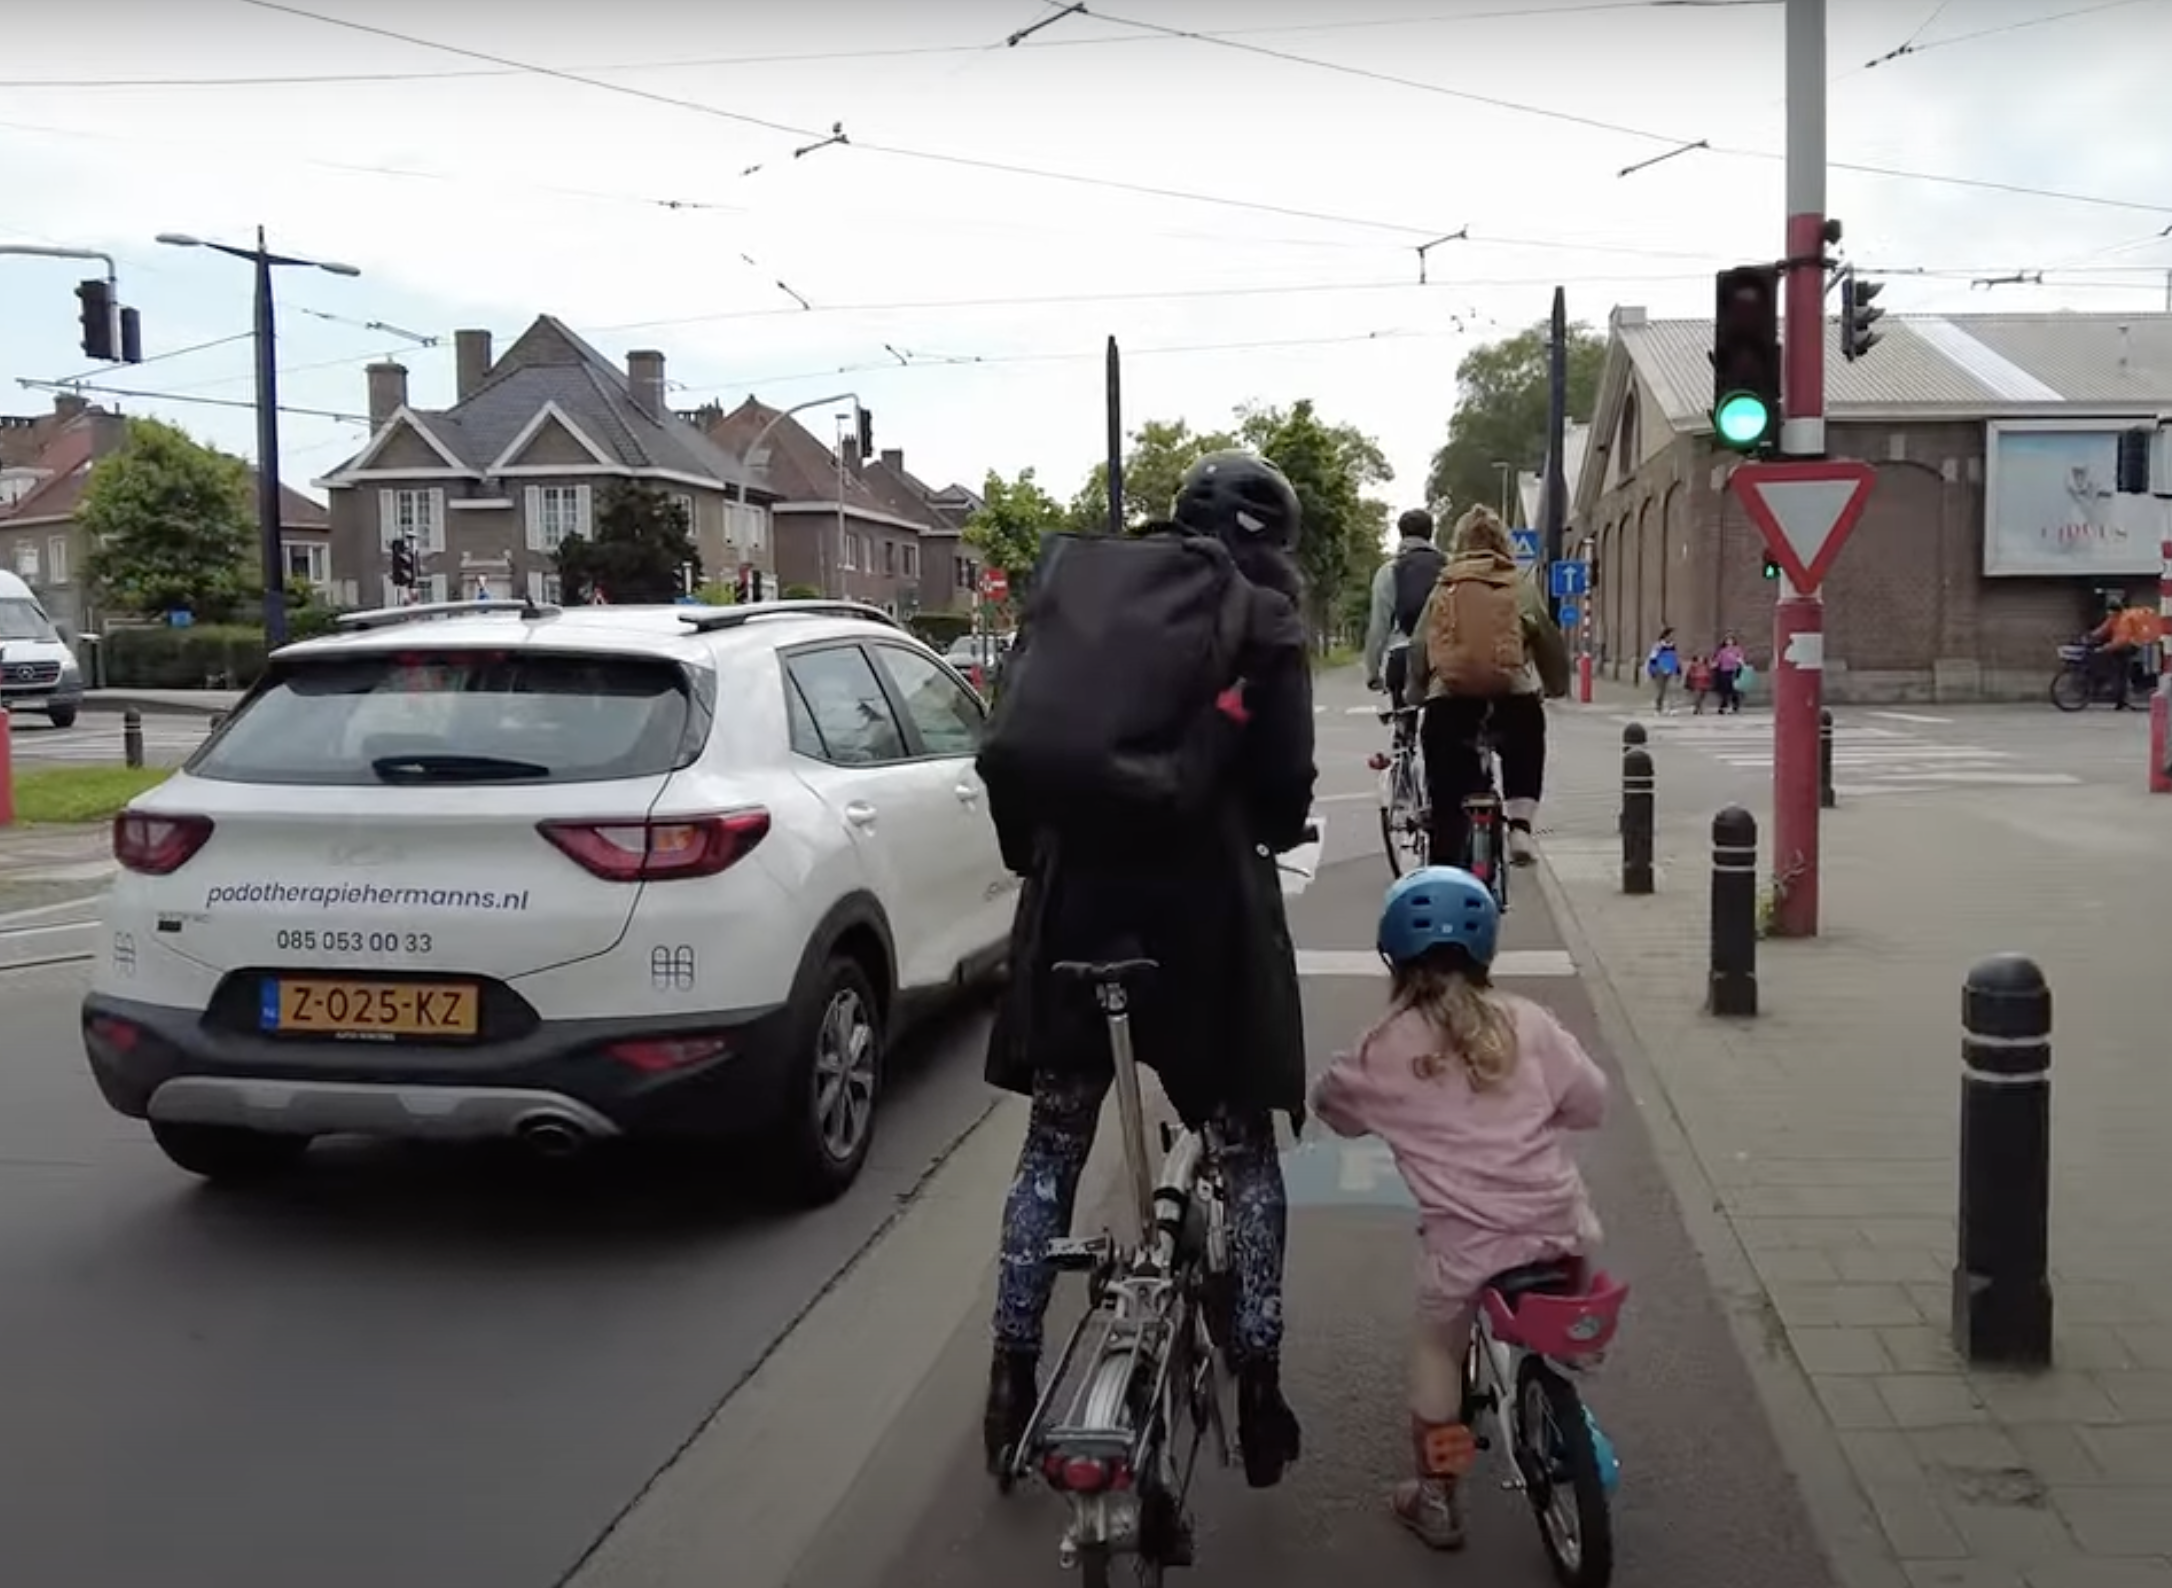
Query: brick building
<point>1991,536</point>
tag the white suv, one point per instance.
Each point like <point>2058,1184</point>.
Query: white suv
<point>495,869</point>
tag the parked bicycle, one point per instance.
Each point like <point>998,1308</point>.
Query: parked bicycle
<point>1155,1340</point>
<point>1405,812</point>
<point>1536,1326</point>
<point>2083,680</point>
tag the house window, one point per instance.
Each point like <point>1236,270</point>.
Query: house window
<point>419,515</point>
<point>909,556</point>
<point>56,560</point>
<point>26,561</point>
<point>889,558</point>
<point>744,525</point>
<point>544,587</point>
<point>309,561</point>
<point>559,513</point>
<point>852,553</point>
<point>686,506</point>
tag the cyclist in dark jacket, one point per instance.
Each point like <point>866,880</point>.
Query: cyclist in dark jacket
<point>1220,1023</point>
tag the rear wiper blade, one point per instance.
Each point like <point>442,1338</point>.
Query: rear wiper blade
<point>453,768</point>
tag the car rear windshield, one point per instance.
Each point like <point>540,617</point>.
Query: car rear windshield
<point>461,717</point>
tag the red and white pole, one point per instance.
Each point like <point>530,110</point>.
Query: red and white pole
<point>2160,703</point>
<point>1798,620</point>
<point>7,770</point>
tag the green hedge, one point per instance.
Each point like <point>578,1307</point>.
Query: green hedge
<point>205,656</point>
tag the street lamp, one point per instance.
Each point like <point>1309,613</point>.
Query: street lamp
<point>267,412</point>
<point>1507,471</point>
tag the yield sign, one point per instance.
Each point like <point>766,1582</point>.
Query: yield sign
<point>1804,511</point>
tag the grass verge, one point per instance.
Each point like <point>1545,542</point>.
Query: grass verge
<point>54,796</point>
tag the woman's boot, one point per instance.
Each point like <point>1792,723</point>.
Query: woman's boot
<point>1430,1504</point>
<point>1267,1431</point>
<point>1013,1388</point>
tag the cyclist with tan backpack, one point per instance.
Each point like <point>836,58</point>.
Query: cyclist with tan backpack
<point>1488,654</point>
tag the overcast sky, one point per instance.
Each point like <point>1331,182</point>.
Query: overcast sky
<point>1283,264</point>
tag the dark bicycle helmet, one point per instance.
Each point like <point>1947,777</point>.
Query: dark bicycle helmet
<point>1239,497</point>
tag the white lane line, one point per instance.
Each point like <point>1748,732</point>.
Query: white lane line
<point>1908,716</point>
<point>1509,965</point>
<point>1370,796</point>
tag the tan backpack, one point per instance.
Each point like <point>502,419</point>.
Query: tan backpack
<point>1474,644</point>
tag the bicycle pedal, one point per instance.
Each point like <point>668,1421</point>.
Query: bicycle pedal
<point>1075,1255</point>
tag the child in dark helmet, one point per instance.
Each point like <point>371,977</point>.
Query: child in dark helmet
<point>1220,1022</point>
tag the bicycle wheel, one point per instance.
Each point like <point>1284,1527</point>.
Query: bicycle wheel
<point>1401,834</point>
<point>2071,689</point>
<point>1563,1480</point>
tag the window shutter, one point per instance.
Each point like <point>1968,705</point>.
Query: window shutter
<point>535,585</point>
<point>436,539</point>
<point>387,596</point>
<point>535,518</point>
<point>388,519</point>
<point>583,511</point>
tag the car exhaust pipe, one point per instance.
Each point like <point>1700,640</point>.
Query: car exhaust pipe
<point>551,1136</point>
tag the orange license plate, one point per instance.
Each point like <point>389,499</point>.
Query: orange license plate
<point>314,1007</point>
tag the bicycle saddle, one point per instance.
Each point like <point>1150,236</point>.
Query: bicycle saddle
<point>1104,972</point>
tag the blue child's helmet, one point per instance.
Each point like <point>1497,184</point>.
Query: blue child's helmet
<point>1436,906</point>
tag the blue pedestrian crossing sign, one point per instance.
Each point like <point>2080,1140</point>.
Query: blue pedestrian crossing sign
<point>1570,579</point>
<point>1527,546</point>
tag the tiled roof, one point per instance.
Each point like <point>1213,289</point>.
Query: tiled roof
<point>800,468</point>
<point>1955,364</point>
<point>74,450</point>
<point>297,511</point>
<point>548,363</point>
<point>907,497</point>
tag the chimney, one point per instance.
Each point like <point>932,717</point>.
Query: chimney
<point>850,451</point>
<point>893,459</point>
<point>69,406</point>
<point>388,392</point>
<point>471,362</point>
<point>645,374</point>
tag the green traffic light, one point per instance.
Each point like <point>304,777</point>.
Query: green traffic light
<point>1741,419</point>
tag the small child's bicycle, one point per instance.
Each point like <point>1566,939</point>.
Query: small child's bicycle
<point>1535,1326</point>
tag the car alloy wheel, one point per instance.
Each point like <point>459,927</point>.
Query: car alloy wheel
<point>845,1073</point>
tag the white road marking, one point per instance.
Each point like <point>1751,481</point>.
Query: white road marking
<point>1364,1165</point>
<point>1369,796</point>
<point>1909,716</point>
<point>1509,965</point>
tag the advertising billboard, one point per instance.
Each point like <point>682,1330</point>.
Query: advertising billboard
<point>2049,507</point>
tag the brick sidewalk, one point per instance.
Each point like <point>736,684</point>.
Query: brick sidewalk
<point>1826,1132</point>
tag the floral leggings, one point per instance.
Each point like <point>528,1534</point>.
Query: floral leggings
<point>1059,1135</point>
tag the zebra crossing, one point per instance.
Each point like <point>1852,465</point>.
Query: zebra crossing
<point>95,740</point>
<point>1874,752</point>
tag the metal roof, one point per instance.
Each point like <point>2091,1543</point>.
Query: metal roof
<point>1957,364</point>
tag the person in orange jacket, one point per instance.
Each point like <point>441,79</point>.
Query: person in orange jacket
<point>2119,639</point>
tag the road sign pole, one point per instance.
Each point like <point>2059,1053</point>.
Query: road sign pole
<point>1798,620</point>
<point>2160,700</point>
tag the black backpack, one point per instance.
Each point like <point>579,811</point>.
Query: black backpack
<point>1112,707</point>
<point>1417,570</point>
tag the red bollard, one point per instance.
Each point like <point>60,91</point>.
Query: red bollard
<point>7,770</point>
<point>1583,679</point>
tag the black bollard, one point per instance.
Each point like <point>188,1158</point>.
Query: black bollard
<point>1636,820</point>
<point>1631,736</point>
<point>2001,1284</point>
<point>132,737</point>
<point>1732,986</point>
<point>1826,797</point>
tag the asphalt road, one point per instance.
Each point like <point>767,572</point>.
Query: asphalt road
<point>396,1369</point>
<point>96,740</point>
<point>1705,1498</point>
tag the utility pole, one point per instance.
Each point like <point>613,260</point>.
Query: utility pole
<point>1115,396</point>
<point>1554,513</point>
<point>747,463</point>
<point>1798,624</point>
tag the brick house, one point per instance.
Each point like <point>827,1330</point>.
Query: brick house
<point>45,464</point>
<point>1991,535</point>
<point>490,486</point>
<point>950,569</point>
<point>837,532</point>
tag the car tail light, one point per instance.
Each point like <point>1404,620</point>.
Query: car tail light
<point>156,844</point>
<point>118,1035</point>
<point>659,850</point>
<point>656,1055</point>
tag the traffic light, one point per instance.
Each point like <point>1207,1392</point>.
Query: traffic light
<point>1772,569</point>
<point>867,435</point>
<point>1857,316</point>
<point>1746,357</point>
<point>403,563</point>
<point>2132,475</point>
<point>131,337</point>
<point>97,299</point>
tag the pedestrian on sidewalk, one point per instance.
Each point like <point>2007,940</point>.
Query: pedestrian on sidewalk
<point>1661,667</point>
<point>1700,683</point>
<point>1473,1091</point>
<point>1727,664</point>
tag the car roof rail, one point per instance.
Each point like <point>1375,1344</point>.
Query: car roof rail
<point>738,616</point>
<point>386,617</point>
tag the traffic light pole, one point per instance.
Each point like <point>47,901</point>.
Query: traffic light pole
<point>1798,619</point>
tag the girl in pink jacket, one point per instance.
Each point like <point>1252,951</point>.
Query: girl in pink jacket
<point>1473,1091</point>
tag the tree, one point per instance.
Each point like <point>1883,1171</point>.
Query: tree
<point>643,551</point>
<point>1500,413</point>
<point>1161,450</point>
<point>170,525</point>
<point>1344,531</point>
<point>1008,526</point>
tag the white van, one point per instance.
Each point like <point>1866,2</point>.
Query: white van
<point>37,670</point>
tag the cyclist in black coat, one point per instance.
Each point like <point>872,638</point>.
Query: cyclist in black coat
<point>1220,1023</point>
